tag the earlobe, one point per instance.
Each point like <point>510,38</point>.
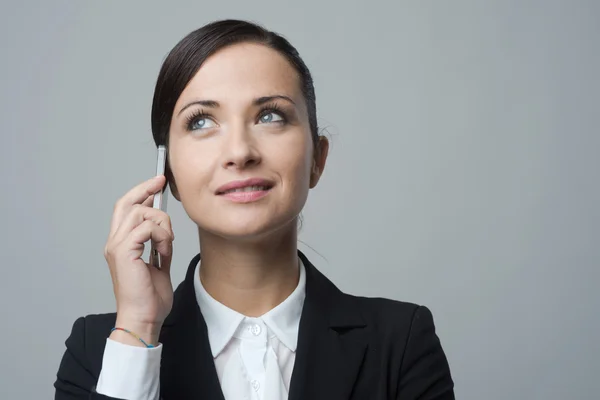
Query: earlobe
<point>314,175</point>
<point>319,161</point>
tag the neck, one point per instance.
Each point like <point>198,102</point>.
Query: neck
<point>250,277</point>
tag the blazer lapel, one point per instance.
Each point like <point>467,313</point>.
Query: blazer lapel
<point>187,366</point>
<point>331,341</point>
<point>331,344</point>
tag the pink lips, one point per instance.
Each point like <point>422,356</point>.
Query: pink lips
<point>246,196</point>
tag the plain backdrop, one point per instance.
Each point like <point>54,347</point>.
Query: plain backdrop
<point>463,173</point>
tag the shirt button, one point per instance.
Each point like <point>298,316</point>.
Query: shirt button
<point>255,385</point>
<point>255,329</point>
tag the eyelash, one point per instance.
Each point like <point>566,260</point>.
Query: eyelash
<point>266,109</point>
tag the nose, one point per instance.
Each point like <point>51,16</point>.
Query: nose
<point>240,150</point>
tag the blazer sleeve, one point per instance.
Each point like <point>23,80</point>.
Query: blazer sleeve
<point>424,371</point>
<point>75,379</point>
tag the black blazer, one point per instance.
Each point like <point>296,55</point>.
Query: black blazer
<point>348,348</point>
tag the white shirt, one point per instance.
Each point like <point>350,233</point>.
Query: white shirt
<point>254,357</point>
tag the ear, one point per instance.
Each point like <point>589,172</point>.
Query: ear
<point>319,160</point>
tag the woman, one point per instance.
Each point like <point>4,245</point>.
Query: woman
<point>235,106</point>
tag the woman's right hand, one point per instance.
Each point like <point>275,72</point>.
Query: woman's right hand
<point>144,294</point>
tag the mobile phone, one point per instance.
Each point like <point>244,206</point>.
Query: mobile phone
<point>160,198</point>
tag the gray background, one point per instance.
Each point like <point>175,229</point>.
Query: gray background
<point>463,174</point>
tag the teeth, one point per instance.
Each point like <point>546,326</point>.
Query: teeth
<point>247,189</point>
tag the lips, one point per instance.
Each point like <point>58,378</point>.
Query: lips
<point>244,186</point>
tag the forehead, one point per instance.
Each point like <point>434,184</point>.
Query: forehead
<point>242,72</point>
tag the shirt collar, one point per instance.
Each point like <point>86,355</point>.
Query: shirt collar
<point>222,322</point>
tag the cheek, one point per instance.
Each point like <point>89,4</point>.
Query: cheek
<point>295,164</point>
<point>192,168</point>
<point>301,171</point>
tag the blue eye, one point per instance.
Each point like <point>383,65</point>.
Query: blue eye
<point>270,117</point>
<point>202,123</point>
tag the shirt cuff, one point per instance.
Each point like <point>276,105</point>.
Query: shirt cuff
<point>130,372</point>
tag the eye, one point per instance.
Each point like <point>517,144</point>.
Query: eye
<point>270,117</point>
<point>202,123</point>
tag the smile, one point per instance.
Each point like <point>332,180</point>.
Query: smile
<point>246,194</point>
<point>245,191</point>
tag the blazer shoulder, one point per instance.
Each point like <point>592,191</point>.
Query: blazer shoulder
<point>82,359</point>
<point>404,333</point>
<point>88,337</point>
<point>95,326</point>
<point>100,320</point>
<point>392,315</point>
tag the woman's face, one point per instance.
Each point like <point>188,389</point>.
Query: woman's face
<point>240,147</point>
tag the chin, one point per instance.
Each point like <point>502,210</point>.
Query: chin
<point>248,228</point>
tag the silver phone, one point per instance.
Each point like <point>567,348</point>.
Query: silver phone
<point>160,198</point>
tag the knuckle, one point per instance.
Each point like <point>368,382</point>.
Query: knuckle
<point>144,210</point>
<point>107,252</point>
<point>138,211</point>
<point>149,222</point>
<point>145,226</point>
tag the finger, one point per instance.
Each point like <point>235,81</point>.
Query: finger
<point>165,257</point>
<point>138,195</point>
<point>149,201</point>
<point>148,230</point>
<point>138,215</point>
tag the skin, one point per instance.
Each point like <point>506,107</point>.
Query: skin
<point>249,250</point>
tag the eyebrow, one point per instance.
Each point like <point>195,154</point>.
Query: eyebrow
<point>256,102</point>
